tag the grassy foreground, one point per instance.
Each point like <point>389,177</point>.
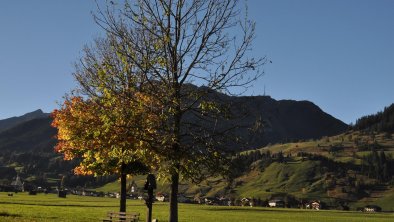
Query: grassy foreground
<point>22,207</point>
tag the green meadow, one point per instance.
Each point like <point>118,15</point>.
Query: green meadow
<point>23,207</point>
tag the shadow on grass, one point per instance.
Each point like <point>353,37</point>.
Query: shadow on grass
<point>251,209</point>
<point>295,210</point>
<point>64,205</point>
<point>57,205</point>
<point>6,214</point>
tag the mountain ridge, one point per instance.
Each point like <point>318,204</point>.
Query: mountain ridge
<point>283,121</point>
<point>288,120</point>
<point>14,121</point>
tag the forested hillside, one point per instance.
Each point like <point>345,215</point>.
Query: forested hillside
<point>381,121</point>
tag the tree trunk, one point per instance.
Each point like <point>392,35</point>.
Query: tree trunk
<point>123,189</point>
<point>176,145</point>
<point>174,196</point>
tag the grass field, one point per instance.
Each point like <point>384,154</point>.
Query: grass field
<point>22,207</point>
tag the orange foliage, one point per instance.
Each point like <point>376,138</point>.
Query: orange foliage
<point>106,132</point>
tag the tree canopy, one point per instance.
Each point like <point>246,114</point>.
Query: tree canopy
<point>108,123</point>
<point>104,136</point>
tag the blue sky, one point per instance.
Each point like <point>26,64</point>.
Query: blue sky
<point>338,54</point>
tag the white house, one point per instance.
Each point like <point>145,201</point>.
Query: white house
<point>276,203</point>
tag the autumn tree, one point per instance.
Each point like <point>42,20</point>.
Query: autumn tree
<point>107,121</point>
<point>175,43</point>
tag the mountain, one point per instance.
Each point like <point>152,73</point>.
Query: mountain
<point>27,142</point>
<point>13,121</point>
<point>27,149</point>
<point>285,120</point>
<point>35,135</point>
<point>256,121</point>
<point>324,160</point>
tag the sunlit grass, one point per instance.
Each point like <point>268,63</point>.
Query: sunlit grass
<point>22,207</point>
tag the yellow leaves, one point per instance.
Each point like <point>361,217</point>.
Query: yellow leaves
<point>68,155</point>
<point>151,130</point>
<point>82,170</point>
<point>107,131</point>
<point>101,73</point>
<point>157,45</point>
<point>162,62</point>
<point>106,93</point>
<point>167,39</point>
<point>122,58</point>
<point>208,106</point>
<point>96,134</point>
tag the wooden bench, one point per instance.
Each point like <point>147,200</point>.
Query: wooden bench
<point>122,216</point>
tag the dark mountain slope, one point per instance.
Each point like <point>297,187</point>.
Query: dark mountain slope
<point>14,121</point>
<point>35,135</point>
<point>302,120</point>
<point>283,120</point>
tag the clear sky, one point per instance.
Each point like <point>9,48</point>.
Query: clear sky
<point>338,54</point>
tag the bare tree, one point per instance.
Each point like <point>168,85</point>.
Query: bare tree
<point>173,44</point>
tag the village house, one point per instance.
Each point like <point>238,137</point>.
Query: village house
<point>211,201</point>
<point>314,205</point>
<point>161,197</point>
<point>276,203</point>
<point>372,208</point>
<point>245,201</point>
<point>198,200</point>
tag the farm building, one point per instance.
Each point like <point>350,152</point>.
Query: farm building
<point>372,208</point>
<point>161,197</point>
<point>246,202</point>
<point>314,205</point>
<point>276,203</point>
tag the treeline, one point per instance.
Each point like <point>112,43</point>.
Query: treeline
<point>380,122</point>
<point>378,166</point>
<point>35,163</point>
<point>45,170</point>
<point>241,163</point>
